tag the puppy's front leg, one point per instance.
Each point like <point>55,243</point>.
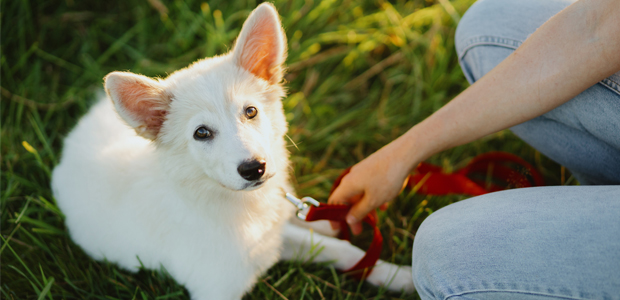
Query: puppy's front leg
<point>299,243</point>
<point>323,227</point>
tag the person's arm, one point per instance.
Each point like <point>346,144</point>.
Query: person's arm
<point>569,53</point>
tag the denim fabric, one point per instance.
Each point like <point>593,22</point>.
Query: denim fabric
<point>584,133</point>
<point>506,24</point>
<point>535,243</point>
<point>558,242</point>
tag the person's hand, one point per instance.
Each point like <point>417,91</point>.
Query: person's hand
<point>371,183</point>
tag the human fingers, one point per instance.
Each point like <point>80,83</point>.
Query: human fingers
<point>347,192</point>
<point>336,225</point>
<point>357,212</point>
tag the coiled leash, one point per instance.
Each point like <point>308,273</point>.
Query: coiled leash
<point>427,179</point>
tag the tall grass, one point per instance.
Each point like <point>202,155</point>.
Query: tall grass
<point>360,73</point>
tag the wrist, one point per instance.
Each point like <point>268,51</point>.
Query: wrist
<point>414,146</point>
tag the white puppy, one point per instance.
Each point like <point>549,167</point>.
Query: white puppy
<point>195,182</point>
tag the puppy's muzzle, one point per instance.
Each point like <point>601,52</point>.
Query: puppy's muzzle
<point>252,170</point>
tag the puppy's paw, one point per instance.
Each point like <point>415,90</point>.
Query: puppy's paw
<point>323,227</point>
<point>394,278</point>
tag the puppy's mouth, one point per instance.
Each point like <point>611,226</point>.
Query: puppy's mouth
<point>258,183</point>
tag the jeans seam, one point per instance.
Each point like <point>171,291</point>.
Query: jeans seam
<point>488,40</point>
<point>514,44</point>
<point>512,291</point>
<point>610,84</point>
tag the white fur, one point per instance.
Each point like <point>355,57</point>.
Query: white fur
<point>180,203</point>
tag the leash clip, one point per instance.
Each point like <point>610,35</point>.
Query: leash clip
<point>303,205</point>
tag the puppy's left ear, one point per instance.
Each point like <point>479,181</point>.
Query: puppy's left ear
<point>261,45</point>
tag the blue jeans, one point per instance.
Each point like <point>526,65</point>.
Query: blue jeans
<point>559,242</point>
<point>537,243</point>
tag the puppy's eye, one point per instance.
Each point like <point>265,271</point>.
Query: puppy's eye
<point>202,133</point>
<point>251,112</point>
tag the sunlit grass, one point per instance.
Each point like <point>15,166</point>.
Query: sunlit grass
<point>360,73</point>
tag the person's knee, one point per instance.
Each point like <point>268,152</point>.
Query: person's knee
<point>457,238</point>
<point>481,38</point>
<point>422,259</point>
<point>492,29</point>
<point>509,21</point>
<point>468,26</point>
<point>527,240</point>
<point>484,19</point>
<point>432,253</point>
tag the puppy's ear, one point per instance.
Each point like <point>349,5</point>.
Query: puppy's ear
<point>141,101</point>
<point>261,45</point>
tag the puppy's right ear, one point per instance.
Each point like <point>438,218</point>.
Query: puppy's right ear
<point>141,101</point>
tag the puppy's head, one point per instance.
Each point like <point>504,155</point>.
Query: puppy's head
<point>221,117</point>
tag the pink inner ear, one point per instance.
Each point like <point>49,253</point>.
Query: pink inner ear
<point>144,103</point>
<point>260,52</point>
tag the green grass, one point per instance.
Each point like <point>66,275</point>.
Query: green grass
<point>360,74</point>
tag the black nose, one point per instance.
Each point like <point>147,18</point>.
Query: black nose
<point>252,169</point>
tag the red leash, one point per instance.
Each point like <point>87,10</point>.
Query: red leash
<point>430,180</point>
<point>471,180</point>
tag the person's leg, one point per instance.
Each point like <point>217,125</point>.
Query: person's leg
<point>584,133</point>
<point>532,243</point>
<point>536,243</point>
